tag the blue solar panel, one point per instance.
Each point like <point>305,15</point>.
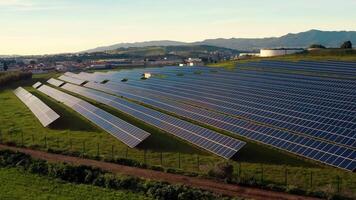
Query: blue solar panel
<point>125,132</point>
<point>209,140</point>
<point>300,114</point>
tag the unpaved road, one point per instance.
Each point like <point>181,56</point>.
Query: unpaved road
<point>209,185</point>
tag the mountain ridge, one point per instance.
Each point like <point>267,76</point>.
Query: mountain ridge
<point>330,39</point>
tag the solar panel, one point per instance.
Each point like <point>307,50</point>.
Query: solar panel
<point>36,85</point>
<point>332,68</point>
<point>206,139</point>
<point>55,82</point>
<point>125,132</point>
<point>267,135</point>
<point>323,111</point>
<point>71,80</point>
<point>43,113</point>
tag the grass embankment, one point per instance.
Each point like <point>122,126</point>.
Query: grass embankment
<point>19,184</point>
<point>317,55</point>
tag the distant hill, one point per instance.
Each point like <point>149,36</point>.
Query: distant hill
<point>136,44</point>
<point>180,50</point>
<point>303,39</point>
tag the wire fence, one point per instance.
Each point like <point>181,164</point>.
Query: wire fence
<point>308,179</point>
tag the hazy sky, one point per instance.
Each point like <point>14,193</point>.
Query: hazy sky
<point>54,26</point>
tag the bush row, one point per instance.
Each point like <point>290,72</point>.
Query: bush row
<point>221,172</point>
<point>8,77</point>
<point>98,177</point>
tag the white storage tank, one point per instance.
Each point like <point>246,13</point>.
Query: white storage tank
<point>279,52</point>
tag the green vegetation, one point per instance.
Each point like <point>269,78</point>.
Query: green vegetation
<point>182,51</point>
<point>346,45</point>
<point>317,55</point>
<point>9,77</point>
<point>20,184</point>
<point>317,46</point>
<point>97,177</point>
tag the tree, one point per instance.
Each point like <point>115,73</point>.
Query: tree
<point>6,67</point>
<point>317,46</point>
<point>346,45</point>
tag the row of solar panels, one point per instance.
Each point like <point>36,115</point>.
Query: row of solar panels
<point>43,113</point>
<point>307,66</point>
<point>218,144</point>
<point>201,85</point>
<point>125,132</point>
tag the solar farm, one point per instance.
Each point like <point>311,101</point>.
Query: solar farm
<point>308,117</point>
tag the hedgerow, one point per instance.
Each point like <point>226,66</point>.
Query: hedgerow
<point>95,176</point>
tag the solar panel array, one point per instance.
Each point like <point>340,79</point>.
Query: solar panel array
<point>43,113</point>
<point>55,82</point>
<point>125,132</point>
<point>218,144</point>
<point>36,85</point>
<point>314,117</point>
<point>330,67</point>
<point>71,80</point>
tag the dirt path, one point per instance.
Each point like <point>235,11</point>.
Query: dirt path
<point>210,185</point>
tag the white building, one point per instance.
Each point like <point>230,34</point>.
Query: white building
<point>147,75</point>
<point>279,52</point>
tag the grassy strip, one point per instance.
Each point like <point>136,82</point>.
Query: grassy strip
<point>20,184</point>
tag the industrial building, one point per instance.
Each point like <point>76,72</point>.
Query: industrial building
<point>279,52</point>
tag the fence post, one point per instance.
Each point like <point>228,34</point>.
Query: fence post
<point>338,183</point>
<point>261,173</point>
<point>144,156</point>
<point>45,142</point>
<point>161,158</point>
<point>179,160</point>
<point>97,150</point>
<point>83,147</point>
<point>286,176</point>
<point>198,162</point>
<point>311,179</point>
<point>240,172</point>
<point>112,152</point>
<point>22,139</point>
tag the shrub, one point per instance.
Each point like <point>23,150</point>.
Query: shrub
<point>346,45</point>
<point>317,46</point>
<point>157,168</point>
<point>222,171</point>
<point>8,77</point>
<point>132,163</point>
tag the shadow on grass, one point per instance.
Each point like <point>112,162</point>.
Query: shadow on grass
<point>255,153</point>
<point>68,119</point>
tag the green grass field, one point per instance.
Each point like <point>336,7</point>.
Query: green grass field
<point>73,133</point>
<point>18,184</point>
